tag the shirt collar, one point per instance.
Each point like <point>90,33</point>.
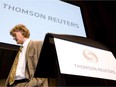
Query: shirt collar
<point>26,42</point>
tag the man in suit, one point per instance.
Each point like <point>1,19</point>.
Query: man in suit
<point>27,60</point>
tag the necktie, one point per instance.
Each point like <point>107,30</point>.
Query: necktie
<point>13,69</point>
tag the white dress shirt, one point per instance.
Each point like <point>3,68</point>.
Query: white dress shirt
<point>20,72</point>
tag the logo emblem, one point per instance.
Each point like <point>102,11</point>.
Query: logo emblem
<point>90,56</point>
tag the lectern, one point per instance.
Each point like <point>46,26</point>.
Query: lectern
<point>7,55</point>
<point>68,60</point>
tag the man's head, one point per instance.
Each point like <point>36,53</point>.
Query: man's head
<point>20,33</point>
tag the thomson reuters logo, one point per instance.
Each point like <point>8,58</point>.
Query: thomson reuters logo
<point>90,56</point>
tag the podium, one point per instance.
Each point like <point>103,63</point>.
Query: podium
<point>7,55</point>
<point>62,62</point>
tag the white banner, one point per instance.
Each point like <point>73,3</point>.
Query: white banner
<point>78,59</point>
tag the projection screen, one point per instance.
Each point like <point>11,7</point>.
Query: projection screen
<point>40,17</point>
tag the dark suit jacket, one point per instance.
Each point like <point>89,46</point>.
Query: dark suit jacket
<point>32,57</point>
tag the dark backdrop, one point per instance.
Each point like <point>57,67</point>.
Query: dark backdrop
<point>99,19</point>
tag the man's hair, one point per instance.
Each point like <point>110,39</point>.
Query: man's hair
<point>21,28</point>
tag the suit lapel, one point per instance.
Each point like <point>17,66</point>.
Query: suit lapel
<point>28,48</point>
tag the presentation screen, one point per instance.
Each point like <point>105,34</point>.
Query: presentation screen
<point>83,60</point>
<point>40,17</point>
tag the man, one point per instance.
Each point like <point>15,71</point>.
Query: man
<point>27,60</point>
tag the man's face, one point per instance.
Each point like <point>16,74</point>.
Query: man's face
<point>18,37</point>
